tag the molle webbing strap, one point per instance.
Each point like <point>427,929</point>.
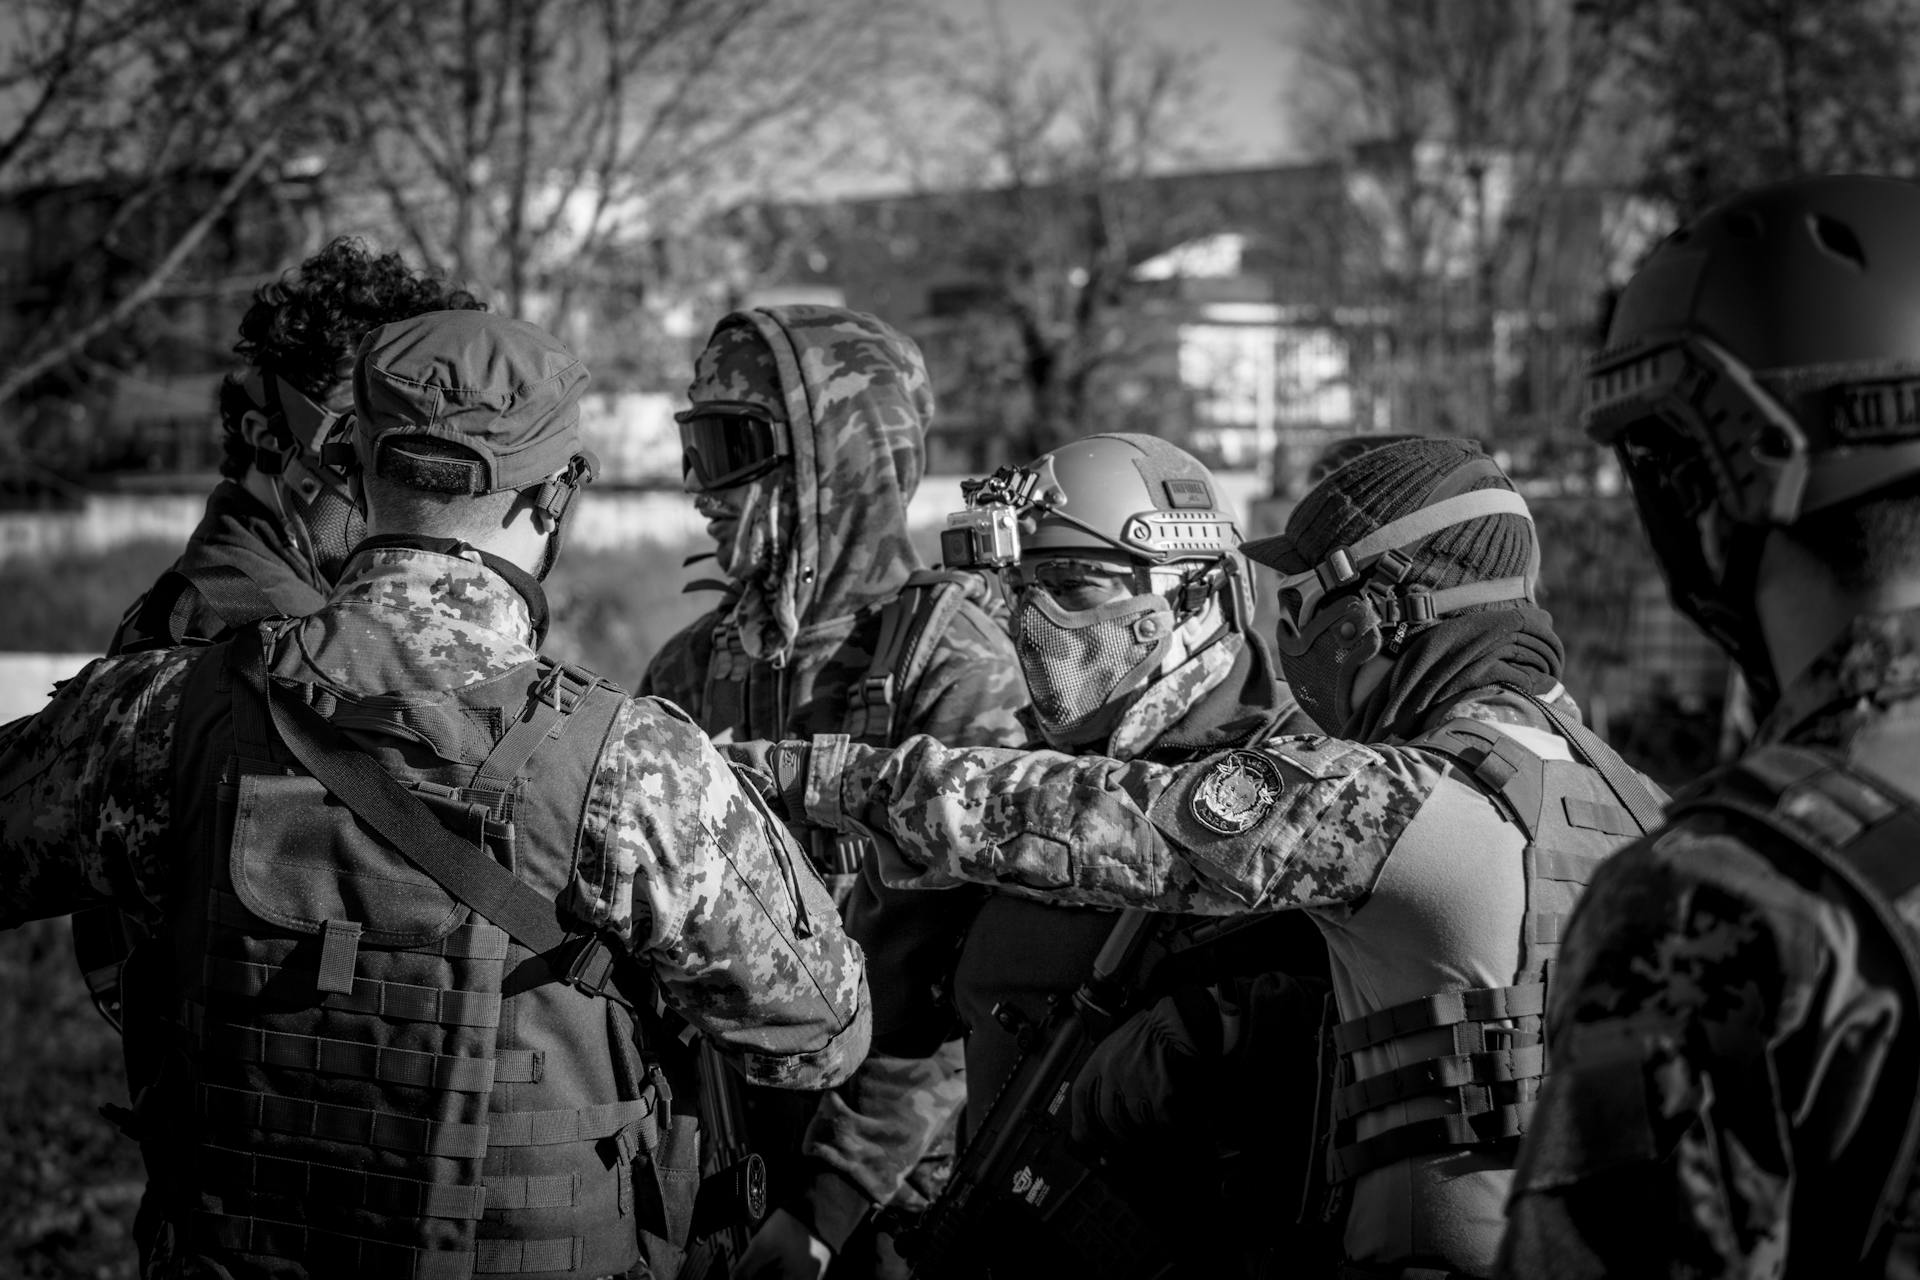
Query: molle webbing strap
<point>473,941</point>
<point>1481,1004</point>
<point>354,1059</point>
<point>386,999</point>
<point>1505,768</point>
<point>510,1066</point>
<point>230,1109</point>
<point>554,1191</point>
<point>264,1175</point>
<point>229,592</point>
<point>1423,1137</point>
<point>1492,1066</point>
<point>558,692</point>
<point>553,1128</point>
<point>527,1256</point>
<point>330,1253</point>
<point>358,781</point>
<point>1626,785</point>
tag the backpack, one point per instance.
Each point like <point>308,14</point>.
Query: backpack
<point>1865,834</point>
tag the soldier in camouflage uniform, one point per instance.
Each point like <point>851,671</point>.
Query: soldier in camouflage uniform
<point>1733,1023</point>
<point>1436,840</point>
<point>279,524</point>
<point>466,437</point>
<point>804,443</point>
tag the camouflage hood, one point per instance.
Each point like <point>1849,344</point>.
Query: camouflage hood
<point>857,400</point>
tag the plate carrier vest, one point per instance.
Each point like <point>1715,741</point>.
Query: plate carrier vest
<point>368,1076</point>
<point>1573,818</point>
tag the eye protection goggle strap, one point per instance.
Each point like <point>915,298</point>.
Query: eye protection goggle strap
<point>1411,528</point>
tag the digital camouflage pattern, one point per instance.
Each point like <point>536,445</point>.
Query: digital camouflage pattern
<point>674,859</point>
<point>237,531</point>
<point>855,394</point>
<point>1720,1026</point>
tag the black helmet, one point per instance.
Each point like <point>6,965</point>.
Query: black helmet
<point>1763,364</point>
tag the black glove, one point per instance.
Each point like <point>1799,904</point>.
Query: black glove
<point>1155,1079</point>
<point>777,770</point>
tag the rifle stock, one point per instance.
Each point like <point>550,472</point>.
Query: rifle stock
<point>733,1186</point>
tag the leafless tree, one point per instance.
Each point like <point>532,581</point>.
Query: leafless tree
<point>1469,128</point>
<point>1041,196</point>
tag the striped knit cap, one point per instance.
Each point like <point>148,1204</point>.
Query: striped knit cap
<point>1380,486</point>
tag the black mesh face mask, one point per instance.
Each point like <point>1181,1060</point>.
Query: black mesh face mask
<point>1078,663</point>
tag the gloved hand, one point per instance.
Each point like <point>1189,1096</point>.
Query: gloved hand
<point>1155,1078</point>
<point>783,1249</point>
<point>777,770</point>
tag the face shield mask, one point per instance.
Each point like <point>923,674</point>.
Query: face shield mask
<point>1352,607</point>
<point>1085,641</point>
<point>318,505</point>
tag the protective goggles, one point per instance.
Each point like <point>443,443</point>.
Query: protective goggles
<point>299,420</point>
<point>729,442</point>
<point>1381,554</point>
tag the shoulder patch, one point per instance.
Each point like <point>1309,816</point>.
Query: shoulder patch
<point>1237,792</point>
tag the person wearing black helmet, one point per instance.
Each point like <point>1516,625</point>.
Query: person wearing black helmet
<point>1734,1022</point>
<point>1436,831</point>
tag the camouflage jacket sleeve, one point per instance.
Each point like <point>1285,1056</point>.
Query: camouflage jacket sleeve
<point>1713,1027</point>
<point>1302,822</point>
<point>711,890</point>
<point>86,792</point>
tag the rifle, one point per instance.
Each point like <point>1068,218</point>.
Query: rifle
<point>1021,1189</point>
<point>733,1188</point>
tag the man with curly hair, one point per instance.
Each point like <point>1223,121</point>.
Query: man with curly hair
<point>274,538</point>
<point>279,524</point>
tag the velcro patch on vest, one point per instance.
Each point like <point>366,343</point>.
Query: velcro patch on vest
<point>1237,793</point>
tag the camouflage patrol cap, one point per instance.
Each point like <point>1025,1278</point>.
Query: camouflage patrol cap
<point>504,390</point>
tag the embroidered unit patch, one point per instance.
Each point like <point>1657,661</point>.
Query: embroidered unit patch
<point>1237,793</point>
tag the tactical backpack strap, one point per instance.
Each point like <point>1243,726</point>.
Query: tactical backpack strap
<point>460,867</point>
<point>1628,787</point>
<point>909,623</point>
<point>229,592</point>
<point>1867,834</point>
<point>555,696</point>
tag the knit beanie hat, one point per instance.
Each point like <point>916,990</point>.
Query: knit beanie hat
<point>1394,480</point>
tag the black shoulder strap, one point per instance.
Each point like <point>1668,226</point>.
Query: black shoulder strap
<point>919,614</point>
<point>402,819</point>
<point>1628,787</point>
<point>1511,772</point>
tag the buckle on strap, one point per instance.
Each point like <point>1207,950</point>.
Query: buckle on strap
<point>591,970</point>
<point>1481,1004</point>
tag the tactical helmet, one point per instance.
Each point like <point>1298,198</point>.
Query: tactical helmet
<point>1763,364</point>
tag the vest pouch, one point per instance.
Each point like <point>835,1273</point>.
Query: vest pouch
<point>301,858</point>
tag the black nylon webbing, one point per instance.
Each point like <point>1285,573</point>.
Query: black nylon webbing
<point>1424,1137</point>
<point>1625,784</point>
<point>554,1191</point>
<point>230,592</point>
<point>335,1252</point>
<point>353,1058</point>
<point>1497,1066</point>
<point>1482,1004</point>
<point>553,1128</point>
<point>358,781</point>
<point>333,1123</point>
<point>249,1173</point>
<point>528,1255</point>
<point>387,999</point>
